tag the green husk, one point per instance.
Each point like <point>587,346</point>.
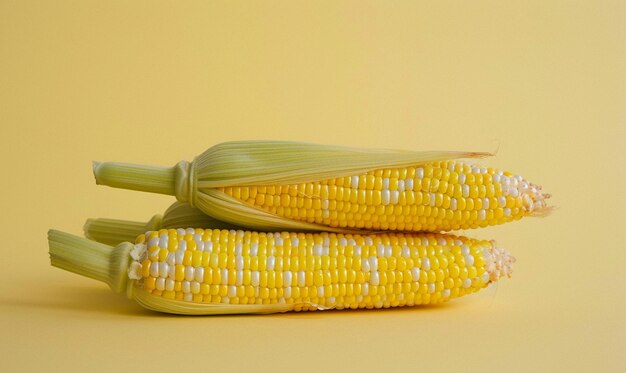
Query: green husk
<point>258,163</point>
<point>178,215</point>
<point>90,259</point>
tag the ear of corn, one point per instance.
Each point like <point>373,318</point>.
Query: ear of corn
<point>115,231</point>
<point>295,186</point>
<point>196,271</point>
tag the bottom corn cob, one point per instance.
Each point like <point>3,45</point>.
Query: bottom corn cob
<point>204,271</point>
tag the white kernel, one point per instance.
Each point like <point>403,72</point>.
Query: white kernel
<point>163,241</point>
<point>197,237</point>
<point>239,278</point>
<point>380,250</point>
<point>453,206</point>
<point>369,241</point>
<point>295,241</point>
<point>255,278</point>
<point>180,231</point>
<point>239,262</point>
<point>406,251</point>
<point>301,279</point>
<point>388,251</point>
<point>179,256</point>
<point>163,269</point>
<point>501,201</point>
<point>239,249</point>
<point>351,242</point>
<point>475,170</point>
<point>171,273</point>
<point>317,250</point>
<point>432,199</point>
<point>185,286</point>
<point>325,214</point>
<point>182,245</point>
<point>331,300</point>
<point>483,170</point>
<point>224,276</point>
<point>373,263</point>
<point>354,182</point>
<point>357,251</point>
<point>225,300</point>
<point>154,269</point>
<point>514,192</point>
<point>496,178</point>
<point>325,250</point>
<point>425,263</point>
<point>287,278</point>
<point>385,183</point>
<point>485,277</point>
<point>325,204</point>
<point>287,292</point>
<point>154,241</point>
<point>270,263</point>
<point>232,291</point>
<point>169,284</point>
<point>400,185</point>
<point>190,231</point>
<point>425,241</point>
<point>374,278</point>
<point>199,274</point>
<point>187,297</point>
<point>365,265</point>
<point>431,288</point>
<point>419,173</point>
<point>507,212</point>
<point>365,288</point>
<point>408,184</point>
<point>445,293</point>
<point>465,189</point>
<point>486,203</point>
<point>395,196</point>
<point>278,241</point>
<point>465,250</point>
<point>189,273</point>
<point>462,178</point>
<point>482,214</point>
<point>254,249</point>
<point>160,284</point>
<point>467,283</point>
<point>458,242</point>
<point>195,287</point>
<point>415,273</point>
<point>386,196</point>
<point>441,241</point>
<point>320,291</point>
<point>170,259</point>
<point>138,251</point>
<point>469,260</point>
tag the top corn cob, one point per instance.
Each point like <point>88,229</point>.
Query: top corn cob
<point>279,185</point>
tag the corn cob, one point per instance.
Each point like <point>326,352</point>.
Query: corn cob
<point>115,231</point>
<point>196,271</point>
<point>297,186</point>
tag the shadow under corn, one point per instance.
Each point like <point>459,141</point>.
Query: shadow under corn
<point>101,300</point>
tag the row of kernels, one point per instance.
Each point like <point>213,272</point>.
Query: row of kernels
<point>316,297</point>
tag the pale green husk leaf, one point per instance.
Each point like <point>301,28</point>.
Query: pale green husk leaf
<point>284,162</point>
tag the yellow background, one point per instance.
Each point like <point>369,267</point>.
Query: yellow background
<point>540,82</point>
